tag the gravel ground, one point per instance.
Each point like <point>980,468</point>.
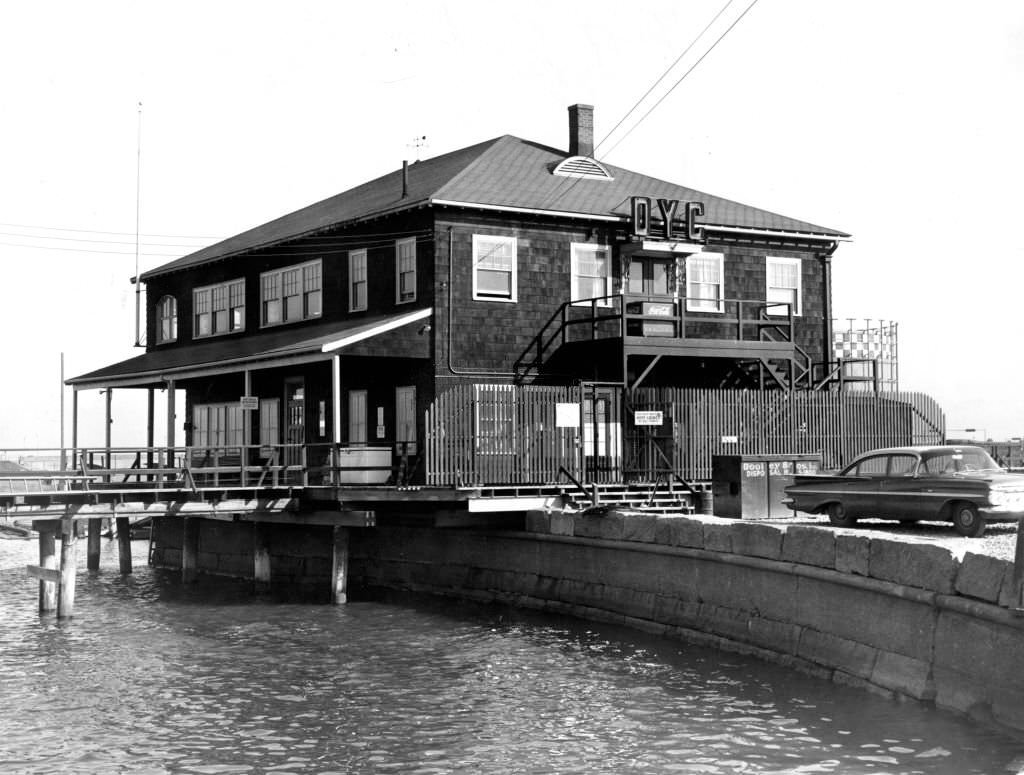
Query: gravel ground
<point>999,539</point>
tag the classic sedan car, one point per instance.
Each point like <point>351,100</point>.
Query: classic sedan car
<point>960,484</point>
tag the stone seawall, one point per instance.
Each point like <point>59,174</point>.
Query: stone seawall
<point>907,618</point>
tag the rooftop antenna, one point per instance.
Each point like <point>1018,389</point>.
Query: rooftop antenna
<point>417,143</point>
<point>135,279</point>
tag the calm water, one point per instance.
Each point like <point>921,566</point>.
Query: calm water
<point>152,677</point>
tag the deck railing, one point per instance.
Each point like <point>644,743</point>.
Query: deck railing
<point>29,471</point>
<point>635,315</point>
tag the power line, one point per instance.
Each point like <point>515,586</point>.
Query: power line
<point>100,231</point>
<point>572,184</point>
<point>100,241</point>
<point>683,76</point>
<point>89,250</point>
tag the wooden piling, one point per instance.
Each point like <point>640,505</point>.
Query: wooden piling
<point>68,569</point>
<point>124,544</point>
<point>339,570</point>
<point>92,561</point>
<point>189,549</point>
<point>47,560</point>
<point>260,558</point>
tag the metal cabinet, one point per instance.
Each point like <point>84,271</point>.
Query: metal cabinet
<point>753,486</point>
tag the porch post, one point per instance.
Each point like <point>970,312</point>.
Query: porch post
<point>336,424</point>
<point>74,430</point>
<point>110,421</point>
<point>150,429</point>
<point>246,427</point>
<point>170,423</point>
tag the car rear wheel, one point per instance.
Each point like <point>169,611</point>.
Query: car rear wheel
<point>966,519</point>
<point>839,516</point>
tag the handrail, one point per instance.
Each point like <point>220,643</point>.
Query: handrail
<point>622,308</point>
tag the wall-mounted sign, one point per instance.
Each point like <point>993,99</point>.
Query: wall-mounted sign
<point>648,418</point>
<point>730,439</point>
<point>678,219</point>
<point>249,403</point>
<point>567,415</point>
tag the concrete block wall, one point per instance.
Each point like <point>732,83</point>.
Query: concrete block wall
<point>905,618</point>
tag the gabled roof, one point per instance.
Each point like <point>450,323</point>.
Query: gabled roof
<point>503,173</point>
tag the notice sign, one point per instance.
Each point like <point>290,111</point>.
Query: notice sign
<point>567,415</point>
<point>249,403</point>
<point>647,418</point>
<point>730,439</point>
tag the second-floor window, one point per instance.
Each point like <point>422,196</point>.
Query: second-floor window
<point>357,280</point>
<point>167,320</point>
<point>705,282</point>
<point>291,294</point>
<point>782,280</point>
<point>494,268</point>
<point>405,270</point>
<point>219,309</point>
<point>591,272</point>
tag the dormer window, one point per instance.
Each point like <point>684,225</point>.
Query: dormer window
<point>167,320</point>
<point>582,167</point>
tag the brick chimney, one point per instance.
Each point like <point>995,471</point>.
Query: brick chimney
<point>581,130</point>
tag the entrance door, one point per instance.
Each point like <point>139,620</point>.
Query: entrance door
<point>602,448</point>
<point>294,420</point>
<point>654,280</point>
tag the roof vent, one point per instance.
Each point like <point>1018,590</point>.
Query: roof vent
<point>581,167</point>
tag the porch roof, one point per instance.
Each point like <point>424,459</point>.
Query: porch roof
<point>277,347</point>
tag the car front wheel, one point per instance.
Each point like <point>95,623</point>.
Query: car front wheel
<point>966,519</point>
<point>839,516</point>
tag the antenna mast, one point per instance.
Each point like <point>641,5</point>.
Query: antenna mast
<point>138,177</point>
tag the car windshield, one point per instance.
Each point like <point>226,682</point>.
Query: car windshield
<point>958,461</point>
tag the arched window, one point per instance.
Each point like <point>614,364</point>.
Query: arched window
<point>167,319</point>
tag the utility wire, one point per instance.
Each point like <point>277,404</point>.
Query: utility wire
<point>559,194</point>
<point>683,76</point>
<point>100,231</point>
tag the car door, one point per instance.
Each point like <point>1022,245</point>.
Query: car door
<point>863,491</point>
<point>900,491</point>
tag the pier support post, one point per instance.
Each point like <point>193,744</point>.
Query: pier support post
<point>68,569</point>
<point>260,558</point>
<point>339,569</point>
<point>48,560</point>
<point>124,545</point>
<point>189,549</point>
<point>92,560</point>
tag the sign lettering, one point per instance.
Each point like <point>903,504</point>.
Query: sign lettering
<point>686,223</point>
<point>648,418</point>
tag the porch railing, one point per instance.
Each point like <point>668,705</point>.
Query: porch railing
<point>605,317</point>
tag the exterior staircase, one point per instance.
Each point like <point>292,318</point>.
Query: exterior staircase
<point>655,498</point>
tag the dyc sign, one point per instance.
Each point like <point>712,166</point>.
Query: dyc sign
<point>643,221</point>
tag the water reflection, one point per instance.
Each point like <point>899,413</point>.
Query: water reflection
<point>154,677</point>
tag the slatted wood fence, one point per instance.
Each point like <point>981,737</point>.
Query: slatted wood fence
<point>503,434</point>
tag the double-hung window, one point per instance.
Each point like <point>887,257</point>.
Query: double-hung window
<point>291,294</point>
<point>782,281</point>
<point>356,280</point>
<point>218,309</point>
<point>494,268</point>
<point>167,320</point>
<point>405,270</point>
<point>705,282</point>
<point>590,273</point>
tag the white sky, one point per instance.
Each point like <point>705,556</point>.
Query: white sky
<point>899,122</point>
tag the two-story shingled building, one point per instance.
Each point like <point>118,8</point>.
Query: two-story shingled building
<point>489,316</point>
